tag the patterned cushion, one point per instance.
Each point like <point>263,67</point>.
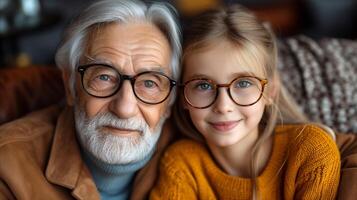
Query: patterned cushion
<point>322,76</point>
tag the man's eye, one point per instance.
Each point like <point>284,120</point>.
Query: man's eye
<point>103,77</point>
<point>146,84</point>
<point>149,84</point>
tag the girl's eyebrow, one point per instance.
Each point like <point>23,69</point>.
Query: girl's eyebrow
<point>194,76</point>
<point>232,76</point>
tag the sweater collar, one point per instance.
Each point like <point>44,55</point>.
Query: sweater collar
<point>113,180</point>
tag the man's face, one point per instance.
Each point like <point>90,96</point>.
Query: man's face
<point>121,129</point>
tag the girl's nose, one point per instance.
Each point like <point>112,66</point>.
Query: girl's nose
<point>223,103</point>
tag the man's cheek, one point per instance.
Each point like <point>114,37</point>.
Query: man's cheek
<point>92,107</point>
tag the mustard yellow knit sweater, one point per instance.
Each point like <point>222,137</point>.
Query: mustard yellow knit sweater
<point>304,164</point>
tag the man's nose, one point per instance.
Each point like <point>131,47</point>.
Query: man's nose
<point>124,104</point>
<point>224,102</point>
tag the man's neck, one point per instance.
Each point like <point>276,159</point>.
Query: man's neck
<point>113,181</point>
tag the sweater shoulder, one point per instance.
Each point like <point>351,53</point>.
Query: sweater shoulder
<point>185,149</point>
<point>309,141</point>
<point>184,155</point>
<point>304,132</point>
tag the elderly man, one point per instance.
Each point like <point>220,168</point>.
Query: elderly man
<point>120,60</point>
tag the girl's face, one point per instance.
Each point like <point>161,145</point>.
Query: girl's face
<point>224,123</point>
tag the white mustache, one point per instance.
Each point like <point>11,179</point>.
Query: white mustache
<point>114,149</point>
<point>109,119</point>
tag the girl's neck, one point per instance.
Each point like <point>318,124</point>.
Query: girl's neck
<point>236,159</point>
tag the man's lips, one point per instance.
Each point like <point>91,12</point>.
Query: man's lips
<point>224,125</point>
<point>119,131</point>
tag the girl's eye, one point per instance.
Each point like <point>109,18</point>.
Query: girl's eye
<point>204,86</point>
<point>243,84</point>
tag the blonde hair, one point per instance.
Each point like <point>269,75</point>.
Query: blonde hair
<point>241,28</point>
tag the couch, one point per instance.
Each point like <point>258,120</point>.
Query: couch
<point>28,89</point>
<point>321,75</point>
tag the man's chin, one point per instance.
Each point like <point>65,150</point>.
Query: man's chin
<point>113,149</point>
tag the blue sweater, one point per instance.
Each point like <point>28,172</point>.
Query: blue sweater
<point>113,181</point>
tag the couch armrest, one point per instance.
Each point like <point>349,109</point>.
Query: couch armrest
<point>27,89</point>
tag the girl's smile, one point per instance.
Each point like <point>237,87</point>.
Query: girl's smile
<point>224,126</point>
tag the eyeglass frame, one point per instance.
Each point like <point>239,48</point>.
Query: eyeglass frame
<point>82,68</point>
<point>263,83</point>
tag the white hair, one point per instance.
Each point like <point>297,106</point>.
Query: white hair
<point>115,149</point>
<point>160,14</point>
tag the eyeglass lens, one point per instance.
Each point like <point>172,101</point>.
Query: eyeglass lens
<point>243,91</point>
<point>104,81</point>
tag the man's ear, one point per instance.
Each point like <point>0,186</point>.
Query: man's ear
<point>67,87</point>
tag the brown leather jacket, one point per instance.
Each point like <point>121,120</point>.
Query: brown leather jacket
<point>40,159</point>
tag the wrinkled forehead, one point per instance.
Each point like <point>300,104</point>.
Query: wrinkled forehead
<point>141,43</point>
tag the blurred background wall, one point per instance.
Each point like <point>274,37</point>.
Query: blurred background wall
<point>30,30</point>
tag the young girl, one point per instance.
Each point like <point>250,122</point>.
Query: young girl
<point>248,139</point>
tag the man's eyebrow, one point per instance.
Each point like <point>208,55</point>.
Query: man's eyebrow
<point>156,68</point>
<point>91,60</point>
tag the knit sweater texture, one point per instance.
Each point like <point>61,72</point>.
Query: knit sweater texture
<point>304,164</point>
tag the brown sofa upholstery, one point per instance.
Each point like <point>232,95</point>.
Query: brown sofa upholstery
<point>27,89</point>
<point>347,144</point>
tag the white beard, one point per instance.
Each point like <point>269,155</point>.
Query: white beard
<point>114,149</point>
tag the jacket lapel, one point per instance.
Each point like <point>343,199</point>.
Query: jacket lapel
<point>65,166</point>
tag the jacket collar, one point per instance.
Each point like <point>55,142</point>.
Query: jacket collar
<point>66,167</point>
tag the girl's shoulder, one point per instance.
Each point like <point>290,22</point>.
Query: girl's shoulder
<point>313,132</point>
<point>186,148</point>
<point>307,139</point>
<point>185,157</point>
